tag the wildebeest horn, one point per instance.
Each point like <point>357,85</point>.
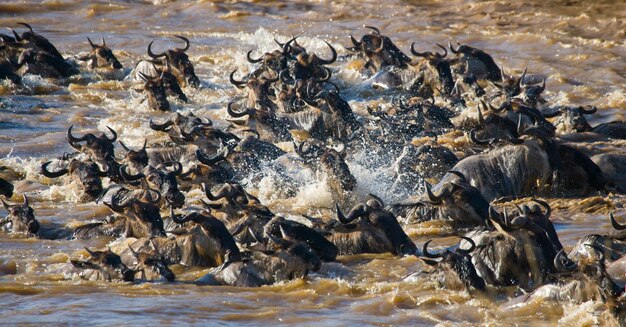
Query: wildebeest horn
<point>114,135</point>
<point>161,127</point>
<point>186,43</point>
<point>375,29</point>
<point>49,174</point>
<point>279,44</point>
<point>238,84</point>
<point>91,253</point>
<point>545,205</point>
<point>377,199</point>
<point>559,262</point>
<point>287,44</point>
<point>128,177</point>
<point>27,26</point>
<point>455,51</point>
<point>615,224</point>
<point>177,219</point>
<point>124,146</point>
<point>481,118</point>
<point>521,79</point>
<point>104,44</point>
<point>71,138</point>
<point>419,54</point>
<point>588,111</point>
<point>151,54</point>
<point>472,245</point>
<point>355,42</point>
<point>474,138</point>
<point>203,158</point>
<point>6,205</point>
<point>332,59</point>
<point>356,212</point>
<point>551,113</point>
<point>178,168</point>
<point>431,196</point>
<point>236,114</point>
<point>103,173</point>
<point>252,60</point>
<point>445,51</point>
<point>93,46</point>
<point>428,254</point>
<point>25,204</point>
<point>458,174</point>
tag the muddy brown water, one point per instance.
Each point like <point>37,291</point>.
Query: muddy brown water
<point>577,45</point>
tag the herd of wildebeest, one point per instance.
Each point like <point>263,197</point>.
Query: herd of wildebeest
<point>521,147</point>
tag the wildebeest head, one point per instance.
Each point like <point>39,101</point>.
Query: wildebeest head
<point>309,65</point>
<point>456,265</point>
<point>99,148</point>
<point>104,265</point>
<point>161,179</point>
<point>155,92</point>
<point>42,63</point>
<point>438,62</point>
<point>300,257</point>
<point>531,94</point>
<point>510,86</point>
<point>280,226</point>
<point>151,265</point>
<point>136,159</point>
<point>572,119</point>
<point>8,70</point>
<point>181,67</point>
<point>379,50</point>
<point>477,62</point>
<point>144,218</point>
<point>457,201</point>
<point>21,218</point>
<point>101,56</point>
<point>259,89</point>
<point>87,173</point>
<point>333,164</point>
<point>275,61</point>
<point>373,215</point>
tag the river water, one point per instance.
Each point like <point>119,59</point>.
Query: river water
<point>577,45</point>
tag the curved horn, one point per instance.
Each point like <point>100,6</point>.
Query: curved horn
<point>474,138</point>
<point>428,254</point>
<point>455,51</point>
<point>93,46</point>
<point>25,204</point>
<point>238,84</point>
<point>588,111</point>
<point>615,224</point>
<point>431,196</point>
<point>355,42</point>
<point>445,51</point>
<point>151,54</point>
<point>221,193</point>
<point>287,44</point>
<point>419,54</point>
<point>103,173</point>
<point>104,44</point>
<point>186,43</point>
<point>161,127</point>
<point>559,262</point>
<point>376,30</point>
<point>178,168</point>
<point>521,79</point>
<point>114,135</point>
<point>27,26</point>
<point>356,212</point>
<point>49,174</point>
<point>124,146</point>
<point>545,205</point>
<point>234,113</point>
<point>91,253</point>
<point>481,118</point>
<point>128,177</point>
<point>376,198</point>
<point>459,174</point>
<point>252,60</point>
<point>72,138</point>
<point>204,159</point>
<point>332,59</point>
<point>472,245</point>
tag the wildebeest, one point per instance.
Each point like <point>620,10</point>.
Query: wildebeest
<point>369,228</point>
<point>151,265</point>
<point>20,218</point>
<point>475,62</point>
<point>179,63</point>
<point>87,173</point>
<point>379,50</point>
<point>103,265</point>
<point>572,119</point>
<point>101,56</point>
